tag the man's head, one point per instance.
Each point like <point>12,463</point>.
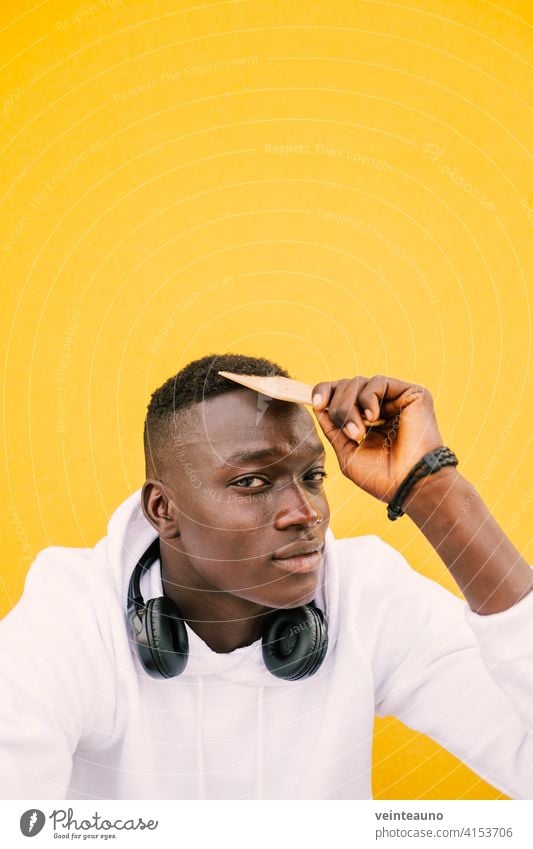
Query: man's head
<point>173,404</point>
<point>234,483</point>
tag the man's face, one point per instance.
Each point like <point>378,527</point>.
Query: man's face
<point>246,475</point>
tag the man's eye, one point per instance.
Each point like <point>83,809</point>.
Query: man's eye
<point>247,483</point>
<point>317,475</point>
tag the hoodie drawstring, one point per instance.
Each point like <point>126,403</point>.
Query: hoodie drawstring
<point>259,769</point>
<point>200,765</point>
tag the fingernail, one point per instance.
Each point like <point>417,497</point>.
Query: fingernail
<point>353,431</point>
<point>317,400</point>
<point>369,415</point>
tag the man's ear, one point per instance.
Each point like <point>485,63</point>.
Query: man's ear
<point>160,509</point>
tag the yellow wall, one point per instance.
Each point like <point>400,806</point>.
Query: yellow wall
<point>341,186</point>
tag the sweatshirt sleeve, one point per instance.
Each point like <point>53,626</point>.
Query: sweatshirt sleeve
<point>464,680</point>
<point>506,646</point>
<point>53,663</point>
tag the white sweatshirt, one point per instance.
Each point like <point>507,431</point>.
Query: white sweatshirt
<point>79,717</point>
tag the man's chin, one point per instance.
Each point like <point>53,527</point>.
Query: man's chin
<point>295,597</point>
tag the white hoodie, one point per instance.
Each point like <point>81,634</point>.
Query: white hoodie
<point>80,718</point>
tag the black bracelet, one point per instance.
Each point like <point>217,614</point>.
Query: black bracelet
<point>428,465</point>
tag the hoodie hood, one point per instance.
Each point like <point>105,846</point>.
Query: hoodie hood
<point>130,534</point>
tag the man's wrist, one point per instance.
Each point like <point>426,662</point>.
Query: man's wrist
<point>484,563</point>
<point>431,463</point>
<point>436,493</point>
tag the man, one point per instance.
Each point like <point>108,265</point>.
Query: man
<point>149,666</point>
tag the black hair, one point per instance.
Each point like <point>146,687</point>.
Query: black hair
<point>196,382</point>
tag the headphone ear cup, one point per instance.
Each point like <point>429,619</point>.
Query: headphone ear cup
<point>295,642</point>
<point>165,648</point>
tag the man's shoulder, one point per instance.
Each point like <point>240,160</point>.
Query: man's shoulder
<point>366,552</point>
<point>66,569</point>
<point>371,562</point>
<point>69,594</point>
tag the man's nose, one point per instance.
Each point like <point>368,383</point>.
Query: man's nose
<point>297,507</point>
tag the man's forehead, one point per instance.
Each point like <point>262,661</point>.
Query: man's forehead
<point>240,423</point>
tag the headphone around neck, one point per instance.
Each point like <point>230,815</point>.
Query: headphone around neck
<point>294,641</point>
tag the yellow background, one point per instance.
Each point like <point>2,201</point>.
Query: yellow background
<point>341,186</point>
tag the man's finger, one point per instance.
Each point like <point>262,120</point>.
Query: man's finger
<point>322,392</point>
<point>385,396</point>
<point>343,408</point>
<point>335,435</point>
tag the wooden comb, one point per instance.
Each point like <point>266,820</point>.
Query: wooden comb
<point>281,388</point>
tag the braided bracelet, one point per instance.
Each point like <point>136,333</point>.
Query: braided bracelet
<point>428,465</point>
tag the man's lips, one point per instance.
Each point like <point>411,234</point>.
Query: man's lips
<point>300,557</point>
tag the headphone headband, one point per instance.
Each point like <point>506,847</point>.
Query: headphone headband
<point>152,553</point>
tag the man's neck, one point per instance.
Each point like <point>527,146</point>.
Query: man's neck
<point>223,621</point>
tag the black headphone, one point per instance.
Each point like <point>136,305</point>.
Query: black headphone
<point>295,641</point>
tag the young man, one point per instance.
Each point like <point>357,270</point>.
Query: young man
<point>219,643</point>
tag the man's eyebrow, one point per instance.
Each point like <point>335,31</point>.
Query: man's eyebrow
<point>264,453</point>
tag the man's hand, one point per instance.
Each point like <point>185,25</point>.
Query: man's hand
<point>379,461</point>
<point>447,508</point>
